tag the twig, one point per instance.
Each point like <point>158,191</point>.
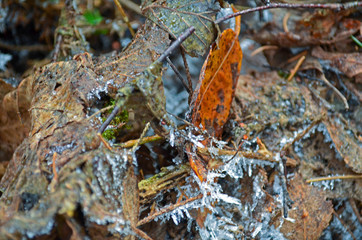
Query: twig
<point>58,42</point>
<point>54,167</point>
<point>355,210</point>
<point>141,233</point>
<point>131,5</point>
<point>106,144</point>
<point>141,137</point>
<point>285,22</point>
<point>98,112</point>
<point>175,44</point>
<point>188,75</point>
<point>339,94</point>
<point>178,74</point>
<point>332,6</point>
<point>296,68</point>
<point>167,209</point>
<point>324,80</point>
<point>124,16</point>
<point>286,201</point>
<point>109,119</point>
<point>296,57</point>
<point>329,178</point>
<point>30,48</point>
<point>263,48</point>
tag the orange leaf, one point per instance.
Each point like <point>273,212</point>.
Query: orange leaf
<point>215,91</point>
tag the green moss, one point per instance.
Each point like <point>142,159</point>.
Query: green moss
<point>122,117</point>
<point>109,134</point>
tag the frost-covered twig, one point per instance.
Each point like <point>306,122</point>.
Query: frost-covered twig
<point>333,178</point>
<point>167,209</point>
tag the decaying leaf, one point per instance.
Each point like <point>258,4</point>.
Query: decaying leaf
<point>318,27</point>
<point>14,116</point>
<point>175,16</point>
<point>310,211</point>
<point>62,166</point>
<point>215,91</point>
<point>212,98</point>
<point>348,63</point>
<point>345,143</point>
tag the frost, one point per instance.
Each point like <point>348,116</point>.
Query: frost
<point>236,166</point>
<point>4,59</point>
<point>97,91</point>
<point>326,184</point>
<point>172,137</point>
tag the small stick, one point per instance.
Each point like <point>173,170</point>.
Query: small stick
<point>104,142</point>
<point>188,75</point>
<point>124,16</point>
<point>295,69</point>
<point>178,74</point>
<point>296,57</point>
<point>109,118</point>
<point>333,178</point>
<point>99,111</point>
<point>141,233</point>
<point>167,209</point>
<point>175,44</point>
<point>54,167</point>
<point>285,22</point>
<point>132,6</point>
<point>339,94</point>
<point>263,48</point>
<point>333,6</point>
<point>141,137</point>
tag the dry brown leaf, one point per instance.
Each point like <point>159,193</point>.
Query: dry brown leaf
<point>310,211</point>
<point>346,144</point>
<point>348,63</point>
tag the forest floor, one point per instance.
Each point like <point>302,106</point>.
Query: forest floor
<point>251,129</point>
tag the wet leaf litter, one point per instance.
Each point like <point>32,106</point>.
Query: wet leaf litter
<point>257,138</point>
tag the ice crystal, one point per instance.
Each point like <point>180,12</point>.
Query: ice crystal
<point>97,91</point>
<point>326,184</point>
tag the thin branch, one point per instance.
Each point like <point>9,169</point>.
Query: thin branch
<point>167,209</point>
<point>187,69</point>
<point>329,178</point>
<point>131,5</point>
<point>296,68</point>
<point>178,74</point>
<point>332,6</point>
<point>124,16</point>
<point>175,44</point>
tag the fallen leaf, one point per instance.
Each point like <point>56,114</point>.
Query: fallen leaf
<point>176,16</point>
<point>348,63</point>
<point>310,211</point>
<point>215,91</point>
<point>347,145</point>
<point>14,116</point>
